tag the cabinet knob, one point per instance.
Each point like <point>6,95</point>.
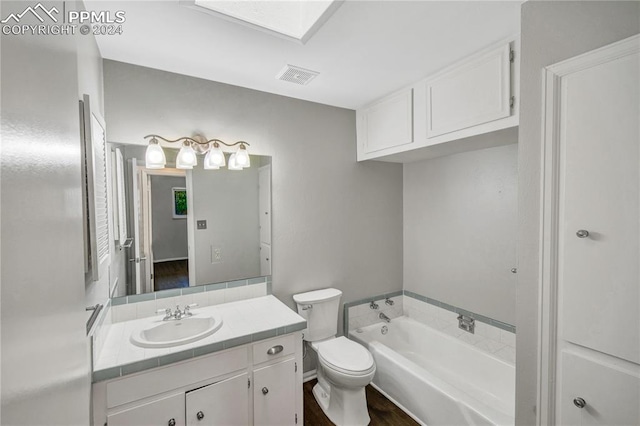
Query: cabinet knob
<point>582,233</point>
<point>172,422</point>
<point>265,391</point>
<point>579,402</point>
<point>200,415</point>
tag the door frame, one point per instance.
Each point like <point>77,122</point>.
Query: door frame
<point>147,214</point>
<point>549,237</point>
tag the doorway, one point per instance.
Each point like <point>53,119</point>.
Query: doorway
<point>160,229</point>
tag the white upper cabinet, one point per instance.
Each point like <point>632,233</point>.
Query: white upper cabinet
<point>387,123</point>
<point>472,104</point>
<point>474,93</point>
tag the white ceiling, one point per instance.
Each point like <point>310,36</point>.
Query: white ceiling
<point>364,51</point>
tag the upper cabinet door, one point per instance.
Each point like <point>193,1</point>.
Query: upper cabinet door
<point>387,123</point>
<point>476,92</point>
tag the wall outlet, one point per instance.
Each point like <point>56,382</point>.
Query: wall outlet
<point>216,254</point>
<point>201,224</point>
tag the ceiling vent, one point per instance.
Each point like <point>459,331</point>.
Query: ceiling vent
<point>296,75</point>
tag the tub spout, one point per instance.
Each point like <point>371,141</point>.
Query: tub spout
<point>383,317</point>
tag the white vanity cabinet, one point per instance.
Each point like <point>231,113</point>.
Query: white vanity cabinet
<point>471,104</point>
<point>222,403</point>
<point>258,383</point>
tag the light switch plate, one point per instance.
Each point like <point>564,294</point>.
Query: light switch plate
<point>201,224</point>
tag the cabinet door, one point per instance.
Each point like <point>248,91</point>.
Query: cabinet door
<point>223,403</point>
<point>473,93</point>
<point>610,391</point>
<point>387,123</point>
<point>274,394</point>
<point>162,412</point>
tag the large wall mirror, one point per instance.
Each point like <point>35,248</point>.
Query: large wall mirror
<point>195,227</point>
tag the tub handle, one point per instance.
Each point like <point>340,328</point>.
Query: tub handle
<point>275,350</point>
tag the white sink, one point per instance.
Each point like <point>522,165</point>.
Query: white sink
<point>176,332</point>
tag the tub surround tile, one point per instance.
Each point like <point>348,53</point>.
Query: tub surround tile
<point>244,322</point>
<point>507,354</point>
<point>489,345</point>
<point>491,336</point>
<point>359,313</point>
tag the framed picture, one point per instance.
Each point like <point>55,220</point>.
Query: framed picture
<point>179,198</point>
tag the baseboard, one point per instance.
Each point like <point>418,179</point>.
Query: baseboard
<point>170,260</point>
<point>309,375</point>
<point>400,406</point>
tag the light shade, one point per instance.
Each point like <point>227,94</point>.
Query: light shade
<point>154,157</point>
<point>214,158</point>
<point>233,164</point>
<point>186,157</point>
<point>242,157</point>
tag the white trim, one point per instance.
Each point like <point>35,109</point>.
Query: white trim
<point>309,375</point>
<point>548,295</point>
<point>172,259</point>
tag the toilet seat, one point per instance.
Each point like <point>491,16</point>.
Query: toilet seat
<point>345,356</point>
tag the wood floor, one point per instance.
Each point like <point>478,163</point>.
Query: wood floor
<point>172,274</point>
<point>381,410</point>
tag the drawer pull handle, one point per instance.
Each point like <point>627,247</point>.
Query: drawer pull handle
<point>200,415</point>
<point>275,350</point>
<point>172,422</point>
<point>265,391</point>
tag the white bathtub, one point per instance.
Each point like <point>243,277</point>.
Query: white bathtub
<point>437,378</point>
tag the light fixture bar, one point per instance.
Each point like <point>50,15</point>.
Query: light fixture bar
<point>187,158</point>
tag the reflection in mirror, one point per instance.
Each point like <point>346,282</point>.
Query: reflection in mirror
<point>224,236</point>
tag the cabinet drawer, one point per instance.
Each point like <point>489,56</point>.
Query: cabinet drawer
<point>273,348</point>
<point>156,381</point>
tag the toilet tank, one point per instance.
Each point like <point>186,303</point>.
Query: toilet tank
<point>320,309</point>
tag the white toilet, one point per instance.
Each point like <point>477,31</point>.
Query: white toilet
<point>344,367</point>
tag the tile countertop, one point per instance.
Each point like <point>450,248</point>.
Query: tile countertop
<point>244,321</point>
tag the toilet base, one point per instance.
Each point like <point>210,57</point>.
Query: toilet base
<point>344,407</point>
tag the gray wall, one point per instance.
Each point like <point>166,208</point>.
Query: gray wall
<point>45,360</point>
<point>460,230</point>
<point>551,32</point>
<point>228,201</point>
<point>336,222</point>
<point>169,235</point>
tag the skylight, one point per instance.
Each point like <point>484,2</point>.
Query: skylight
<point>294,19</point>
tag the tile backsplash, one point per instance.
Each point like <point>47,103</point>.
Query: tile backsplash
<point>492,336</point>
<point>145,305</point>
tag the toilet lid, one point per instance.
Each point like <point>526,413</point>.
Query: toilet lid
<point>345,355</point>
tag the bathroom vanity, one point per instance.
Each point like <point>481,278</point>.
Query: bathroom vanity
<point>249,372</point>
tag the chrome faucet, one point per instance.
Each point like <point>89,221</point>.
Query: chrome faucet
<point>373,305</point>
<point>178,314</point>
<point>389,302</point>
<point>383,317</point>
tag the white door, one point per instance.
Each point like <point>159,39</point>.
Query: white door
<point>222,403</point>
<point>274,394</point>
<point>596,128</point>
<point>139,253</point>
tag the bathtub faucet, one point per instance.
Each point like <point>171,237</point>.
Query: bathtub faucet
<point>383,317</point>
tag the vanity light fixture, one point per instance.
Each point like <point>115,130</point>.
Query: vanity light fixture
<point>187,158</point>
